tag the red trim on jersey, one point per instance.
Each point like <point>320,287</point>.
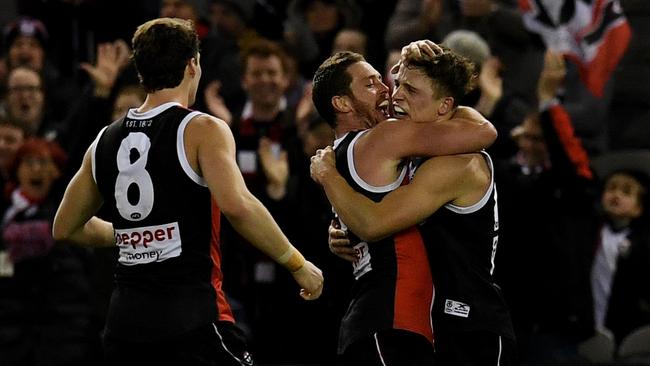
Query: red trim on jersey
<point>414,285</point>
<point>223,308</point>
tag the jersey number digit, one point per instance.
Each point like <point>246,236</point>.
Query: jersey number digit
<point>134,174</point>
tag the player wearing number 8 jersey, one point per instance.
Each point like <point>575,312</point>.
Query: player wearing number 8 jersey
<point>164,174</point>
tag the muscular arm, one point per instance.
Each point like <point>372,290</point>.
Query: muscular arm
<point>439,180</point>
<point>467,131</point>
<point>213,147</point>
<point>74,219</point>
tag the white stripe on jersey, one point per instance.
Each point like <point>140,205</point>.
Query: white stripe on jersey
<point>478,205</point>
<point>180,150</point>
<point>358,180</point>
<point>93,147</point>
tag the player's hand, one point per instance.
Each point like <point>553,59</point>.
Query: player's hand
<point>339,243</point>
<point>417,50</point>
<point>310,279</point>
<point>322,164</point>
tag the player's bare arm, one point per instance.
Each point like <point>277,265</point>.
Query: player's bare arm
<point>458,179</point>
<point>74,218</point>
<point>467,131</point>
<point>210,148</point>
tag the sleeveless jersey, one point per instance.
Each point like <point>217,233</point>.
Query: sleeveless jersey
<point>168,276</point>
<point>462,244</point>
<point>393,287</point>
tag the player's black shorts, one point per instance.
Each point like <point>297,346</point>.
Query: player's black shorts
<point>221,343</point>
<point>474,349</point>
<point>388,348</point>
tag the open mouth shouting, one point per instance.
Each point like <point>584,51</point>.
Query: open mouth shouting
<point>399,112</point>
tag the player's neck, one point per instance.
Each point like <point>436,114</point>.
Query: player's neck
<point>347,122</point>
<point>163,96</point>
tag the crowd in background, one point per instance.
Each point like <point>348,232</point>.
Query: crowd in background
<point>65,73</point>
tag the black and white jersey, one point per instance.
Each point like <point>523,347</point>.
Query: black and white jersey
<point>393,287</point>
<point>462,244</point>
<point>168,276</point>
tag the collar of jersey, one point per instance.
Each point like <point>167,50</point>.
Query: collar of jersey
<point>133,114</point>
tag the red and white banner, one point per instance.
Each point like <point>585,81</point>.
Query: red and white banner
<point>592,33</point>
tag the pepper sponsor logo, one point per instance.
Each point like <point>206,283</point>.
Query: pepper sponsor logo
<point>148,244</point>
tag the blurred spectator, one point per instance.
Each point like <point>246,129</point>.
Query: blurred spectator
<point>630,111</point>
<point>413,20</point>
<point>267,151</point>
<point>45,298</point>
<point>11,138</point>
<point>350,40</point>
<point>93,108</point>
<point>313,214</point>
<point>503,110</point>
<point>220,56</point>
<point>622,256</point>
<point>194,10</point>
<point>545,192</point>
<point>130,96</point>
<point>25,43</point>
<point>312,25</point>
<point>25,102</point>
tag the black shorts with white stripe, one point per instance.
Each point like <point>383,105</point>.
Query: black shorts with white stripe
<point>474,349</point>
<point>221,343</point>
<point>390,347</point>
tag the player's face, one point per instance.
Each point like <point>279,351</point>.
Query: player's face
<point>621,197</point>
<point>370,96</point>
<point>414,97</point>
<point>265,80</point>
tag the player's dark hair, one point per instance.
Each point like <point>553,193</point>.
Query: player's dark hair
<point>452,74</point>
<point>161,49</point>
<point>332,79</point>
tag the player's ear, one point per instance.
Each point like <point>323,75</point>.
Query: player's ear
<point>192,66</point>
<point>341,103</point>
<point>446,106</point>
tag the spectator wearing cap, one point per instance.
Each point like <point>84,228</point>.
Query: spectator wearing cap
<point>25,41</point>
<point>25,45</point>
